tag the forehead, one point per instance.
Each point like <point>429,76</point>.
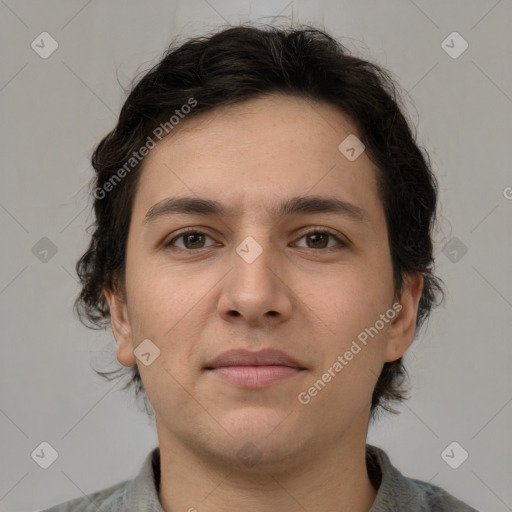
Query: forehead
<point>252,154</point>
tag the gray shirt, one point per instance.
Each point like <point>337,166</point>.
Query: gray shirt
<point>396,493</point>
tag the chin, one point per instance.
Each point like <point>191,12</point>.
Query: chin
<point>257,455</point>
<point>270,434</point>
<point>257,422</point>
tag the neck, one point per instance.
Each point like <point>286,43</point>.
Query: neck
<point>314,480</point>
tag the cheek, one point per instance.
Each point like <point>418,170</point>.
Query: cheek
<point>167,307</point>
<point>350,309</point>
<point>350,297</point>
<point>155,293</point>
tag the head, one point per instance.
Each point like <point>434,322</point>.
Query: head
<point>251,118</point>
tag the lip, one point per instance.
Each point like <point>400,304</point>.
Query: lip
<point>263,357</point>
<point>253,370</point>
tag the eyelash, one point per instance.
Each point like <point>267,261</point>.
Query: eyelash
<point>315,231</point>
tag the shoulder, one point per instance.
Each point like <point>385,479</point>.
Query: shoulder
<point>109,499</point>
<point>438,500</point>
<point>398,493</point>
<point>125,495</point>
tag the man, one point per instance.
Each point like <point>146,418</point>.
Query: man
<point>262,249</point>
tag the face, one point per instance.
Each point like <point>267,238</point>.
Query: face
<point>308,282</point>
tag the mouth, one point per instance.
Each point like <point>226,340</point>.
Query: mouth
<point>253,370</point>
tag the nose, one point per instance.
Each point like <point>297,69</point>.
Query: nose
<point>257,289</point>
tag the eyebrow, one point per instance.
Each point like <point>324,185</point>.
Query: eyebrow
<point>293,206</point>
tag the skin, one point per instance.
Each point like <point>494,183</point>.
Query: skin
<point>309,297</point>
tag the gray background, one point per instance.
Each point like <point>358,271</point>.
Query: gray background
<point>54,110</point>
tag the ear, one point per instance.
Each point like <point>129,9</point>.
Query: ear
<point>120,326</point>
<point>403,327</point>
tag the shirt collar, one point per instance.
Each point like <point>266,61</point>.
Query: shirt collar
<point>141,493</point>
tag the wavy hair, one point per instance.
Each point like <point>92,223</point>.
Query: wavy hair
<point>243,62</point>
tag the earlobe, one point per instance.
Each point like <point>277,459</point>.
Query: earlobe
<point>120,327</point>
<point>403,327</point>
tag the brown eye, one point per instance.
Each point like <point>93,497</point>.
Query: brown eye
<point>192,239</point>
<point>320,238</point>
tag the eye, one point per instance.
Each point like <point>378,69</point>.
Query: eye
<point>320,236</point>
<point>192,239</point>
